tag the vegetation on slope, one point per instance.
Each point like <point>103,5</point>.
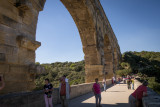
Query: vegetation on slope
<point>145,64</point>
<point>74,71</point>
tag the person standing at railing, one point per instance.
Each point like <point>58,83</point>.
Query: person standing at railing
<point>48,88</point>
<point>64,92</point>
<point>2,81</point>
<point>135,99</point>
<point>97,92</point>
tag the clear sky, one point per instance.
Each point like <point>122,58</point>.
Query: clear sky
<point>136,24</point>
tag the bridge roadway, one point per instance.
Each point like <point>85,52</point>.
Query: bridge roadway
<point>116,95</point>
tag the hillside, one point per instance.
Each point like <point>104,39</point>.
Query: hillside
<point>145,64</point>
<point>74,71</point>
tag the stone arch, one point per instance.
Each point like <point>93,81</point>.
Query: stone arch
<point>18,21</point>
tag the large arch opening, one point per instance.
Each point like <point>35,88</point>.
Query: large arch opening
<point>58,34</point>
<point>61,47</point>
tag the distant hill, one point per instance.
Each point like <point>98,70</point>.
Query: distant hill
<point>74,71</point>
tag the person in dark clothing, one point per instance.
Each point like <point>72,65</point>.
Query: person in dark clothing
<point>48,88</point>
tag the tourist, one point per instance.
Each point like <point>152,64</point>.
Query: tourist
<point>135,99</point>
<point>113,80</point>
<point>132,83</point>
<point>64,92</point>
<point>97,92</point>
<point>2,80</point>
<point>119,80</point>
<point>129,83</point>
<point>48,88</point>
<point>124,80</point>
<point>104,84</point>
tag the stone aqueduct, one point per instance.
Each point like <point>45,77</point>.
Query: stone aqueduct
<point>18,22</point>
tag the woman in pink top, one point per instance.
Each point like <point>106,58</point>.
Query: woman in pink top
<point>97,92</point>
<point>138,94</point>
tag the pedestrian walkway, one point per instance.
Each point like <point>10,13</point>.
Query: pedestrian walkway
<point>114,96</point>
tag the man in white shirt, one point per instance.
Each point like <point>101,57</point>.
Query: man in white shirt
<point>66,79</point>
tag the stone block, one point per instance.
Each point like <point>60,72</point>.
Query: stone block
<point>9,10</point>
<point>28,43</point>
<point>12,86</point>
<point>4,68</point>
<point>2,57</point>
<point>15,77</point>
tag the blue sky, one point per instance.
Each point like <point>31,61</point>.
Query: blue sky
<point>136,24</point>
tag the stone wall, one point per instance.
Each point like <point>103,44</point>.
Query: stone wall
<point>36,99</point>
<point>152,100</point>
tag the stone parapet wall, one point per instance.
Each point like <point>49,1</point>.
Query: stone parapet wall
<point>77,90</point>
<point>137,84</point>
<point>36,99</point>
<point>17,78</point>
<point>152,100</point>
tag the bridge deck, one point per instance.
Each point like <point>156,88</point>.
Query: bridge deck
<point>114,96</point>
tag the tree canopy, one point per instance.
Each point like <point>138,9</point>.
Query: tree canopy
<point>74,71</point>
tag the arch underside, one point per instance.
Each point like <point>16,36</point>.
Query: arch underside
<point>18,22</point>
<point>98,40</point>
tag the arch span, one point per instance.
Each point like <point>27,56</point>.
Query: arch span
<point>18,21</point>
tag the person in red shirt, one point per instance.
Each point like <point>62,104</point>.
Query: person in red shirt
<point>64,92</point>
<point>138,94</point>
<point>97,92</point>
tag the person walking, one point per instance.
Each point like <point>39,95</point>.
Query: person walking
<point>2,80</point>
<point>104,84</point>
<point>132,83</point>
<point>129,83</point>
<point>64,92</point>
<point>119,80</point>
<point>114,80</point>
<point>48,88</point>
<point>135,99</point>
<point>124,80</point>
<point>97,92</point>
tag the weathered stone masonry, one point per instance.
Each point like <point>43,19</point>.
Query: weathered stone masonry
<point>18,21</point>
